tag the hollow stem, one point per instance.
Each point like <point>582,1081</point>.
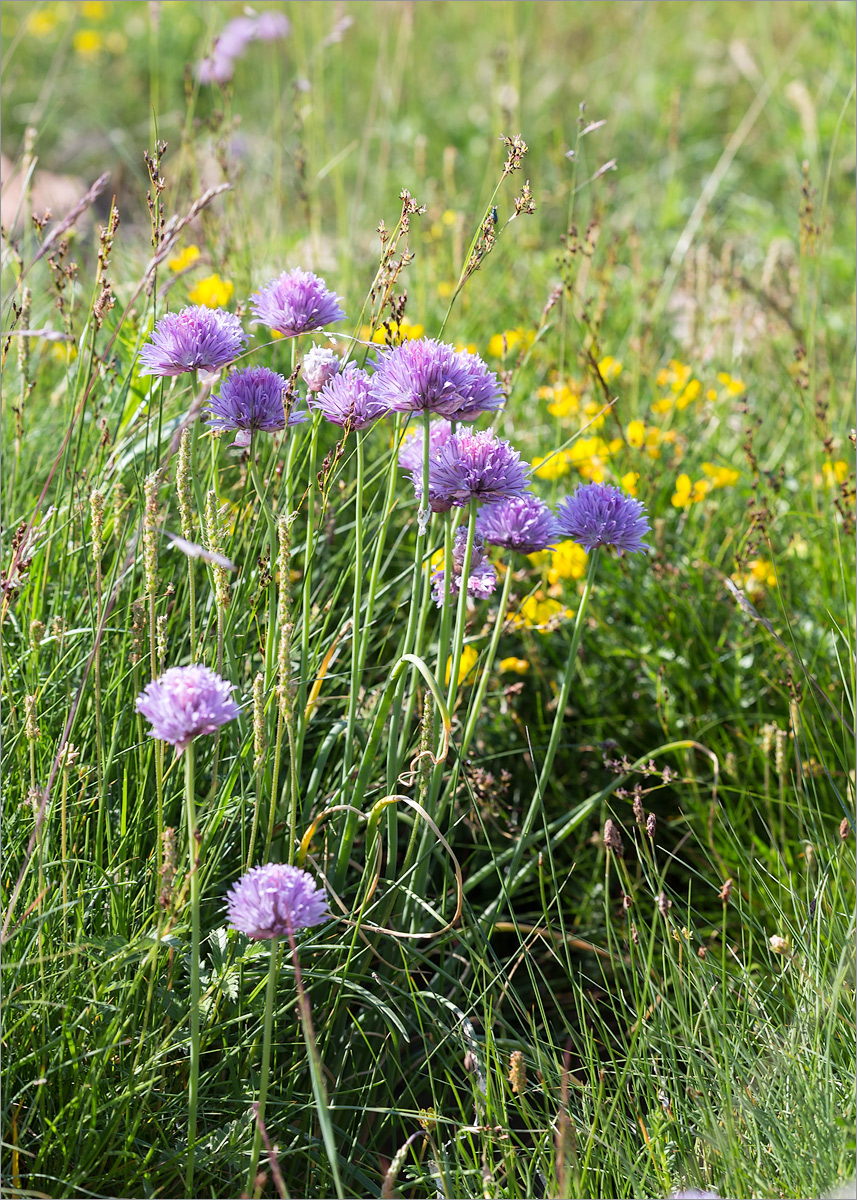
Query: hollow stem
<point>194,862</point>
<point>270,997</point>
<point>355,612</point>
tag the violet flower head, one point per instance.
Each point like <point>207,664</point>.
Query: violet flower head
<point>271,26</point>
<point>524,523</point>
<point>411,450</point>
<point>197,338</point>
<point>473,466</point>
<point>185,703</point>
<point>426,375</point>
<point>319,365</point>
<point>296,302</point>
<point>251,400</point>
<point>597,514</point>
<point>275,899</point>
<point>481,578</point>
<point>348,399</point>
<point>233,41</point>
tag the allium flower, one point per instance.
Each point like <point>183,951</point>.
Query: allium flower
<point>185,703</point>
<point>482,578</point>
<point>296,302</point>
<point>470,466</point>
<point>319,365</point>
<point>428,375</point>
<point>193,339</point>
<point>411,451</point>
<point>234,40</point>
<point>597,514</point>
<point>269,901</point>
<point>251,400</point>
<point>348,399</point>
<point>524,523</point>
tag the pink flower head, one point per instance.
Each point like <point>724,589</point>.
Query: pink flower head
<point>197,338</point>
<point>185,703</point>
<point>296,302</point>
<point>274,900</point>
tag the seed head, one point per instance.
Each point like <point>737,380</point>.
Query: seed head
<point>517,1072</point>
<point>612,837</point>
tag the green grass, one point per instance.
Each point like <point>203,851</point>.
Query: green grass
<point>666,1043</point>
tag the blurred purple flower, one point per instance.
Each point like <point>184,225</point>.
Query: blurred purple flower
<point>524,523</point>
<point>348,399</point>
<point>197,338</point>
<point>597,514</point>
<point>296,302</point>
<point>185,703</point>
<point>426,375</point>
<point>411,450</point>
<point>217,68</point>
<point>274,900</point>
<point>318,366</point>
<point>481,579</point>
<point>251,400</point>
<point>233,41</point>
<point>473,466</point>
<point>271,26</point>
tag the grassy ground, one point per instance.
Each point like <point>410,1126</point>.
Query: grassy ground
<point>503,1005</point>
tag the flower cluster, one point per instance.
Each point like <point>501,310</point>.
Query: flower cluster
<point>185,703</point>
<point>430,376</point>
<point>275,900</point>
<point>523,523</point>
<point>197,338</point>
<point>319,365</point>
<point>251,400</point>
<point>296,302</point>
<point>481,578</point>
<point>473,466</point>
<point>413,445</point>
<point>348,399</point>
<point>596,514</point>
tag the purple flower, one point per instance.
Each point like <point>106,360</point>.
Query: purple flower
<point>319,364</point>
<point>411,450</point>
<point>185,703</point>
<point>296,302</point>
<point>524,523</point>
<point>597,514</point>
<point>275,899</point>
<point>217,68</point>
<point>235,37</point>
<point>251,400</point>
<point>348,399</point>
<point>234,40</point>
<point>426,375</point>
<point>481,579</point>
<point>271,26</point>
<point>473,466</point>
<point>197,337</point>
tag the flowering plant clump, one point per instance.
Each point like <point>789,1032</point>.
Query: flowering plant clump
<point>319,365</point>
<point>473,466</point>
<point>251,400</point>
<point>411,450</point>
<point>481,579</point>
<point>296,302</point>
<point>597,514</point>
<point>274,900</point>
<point>524,523</point>
<point>430,376</point>
<point>348,399</point>
<point>185,703</point>
<point>197,338</point>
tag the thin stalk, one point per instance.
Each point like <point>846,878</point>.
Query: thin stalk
<point>461,612</point>
<point>270,996</point>
<point>278,748</point>
<point>194,850</point>
<point>307,580</point>
<point>355,612</point>
<point>272,587</point>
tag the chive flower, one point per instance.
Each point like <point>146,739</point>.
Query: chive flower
<point>319,365</point>
<point>296,302</point>
<point>473,466</point>
<point>197,338</point>
<point>481,578</point>
<point>411,450</point>
<point>348,399</point>
<point>424,375</point>
<point>251,400</point>
<point>274,900</point>
<point>185,703</point>
<point>523,523</point>
<point>598,514</point>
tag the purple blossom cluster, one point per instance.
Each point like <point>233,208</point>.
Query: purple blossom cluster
<point>251,400</point>
<point>274,900</point>
<point>348,399</point>
<point>481,578</point>
<point>411,451</point>
<point>319,365</point>
<point>597,514</point>
<point>197,338</point>
<point>234,40</point>
<point>429,376</point>
<point>185,703</point>
<point>523,523</point>
<point>296,302</point>
<point>473,466</point>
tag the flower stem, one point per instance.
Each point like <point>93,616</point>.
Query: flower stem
<point>193,857</point>
<point>461,613</point>
<point>355,612</point>
<point>270,996</point>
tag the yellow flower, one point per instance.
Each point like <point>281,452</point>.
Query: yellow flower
<point>94,10</point>
<point>41,23</point>
<point>403,332</point>
<point>541,613</point>
<point>470,347</point>
<point>610,368</point>
<point>635,431</point>
<point>552,467</point>
<point>733,386</point>
<point>629,482</point>
<point>469,659</point>
<point>445,289</point>
<point>711,394</point>
<point>689,394</point>
<point>835,473</point>
<point>687,493</point>
<point>763,571</point>
<point>565,399</point>
<point>87,42</point>
<point>568,561</point>
<point>449,217</point>
<point>510,340</point>
<point>592,409</point>
<point>519,665</point>
<point>187,256</point>
<point>663,406</point>
<point>213,292</point>
<point>720,476</point>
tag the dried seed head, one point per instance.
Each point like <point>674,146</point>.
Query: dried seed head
<point>627,901</point>
<point>69,756</point>
<point>150,531</point>
<point>214,542</point>
<point>844,829</point>
<point>664,903</point>
<point>635,937</point>
<point>701,952</point>
<point>24,342</point>
<point>259,738</point>
<point>184,490</point>
<point>612,837</point>
<point>517,1072</point>
<point>768,733</point>
<point>34,799</point>
<point>37,632</point>
<point>96,509</point>
<point>651,824</point>
<point>725,892</point>
<point>139,621</point>
<point>639,811</point>
<point>58,630</point>
<point>781,739</point>
<point>168,865</point>
<point>161,638</point>
<point>31,723</point>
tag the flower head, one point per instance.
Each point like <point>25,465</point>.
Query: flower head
<point>275,900</point>
<point>426,375</point>
<point>185,703</point>
<point>251,400</point>
<point>411,450</point>
<point>296,302</point>
<point>234,39</point>
<point>481,578</point>
<point>524,523</point>
<point>319,365</point>
<point>473,466</point>
<point>348,399</point>
<point>597,514</point>
<point>197,337</point>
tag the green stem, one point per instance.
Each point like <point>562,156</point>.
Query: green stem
<point>194,861</point>
<point>270,996</point>
<point>307,580</point>
<point>355,612</point>
<point>273,549</point>
<point>461,612</point>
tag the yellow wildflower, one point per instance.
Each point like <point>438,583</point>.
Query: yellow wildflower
<point>445,289</point>
<point>592,409</point>
<point>213,292</point>
<point>760,575</point>
<point>519,665</point>
<point>449,217</point>
<point>510,340</point>
<point>835,473</point>
<point>733,386</point>
<point>711,394</point>
<point>629,482</point>
<point>184,259</point>
<point>87,42</point>
<point>565,398</point>
<point>470,347</point>
<point>720,477</point>
<point>663,406</point>
<point>635,432</point>
<point>568,561</point>
<point>540,612</point>
<point>610,368</point>
<point>687,493</point>
<point>469,659</point>
<point>41,23</point>
<point>402,332</point>
<point>554,466</point>
<point>94,10</point>
<point>689,394</point>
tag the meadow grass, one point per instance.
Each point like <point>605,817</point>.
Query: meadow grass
<point>507,1001</point>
